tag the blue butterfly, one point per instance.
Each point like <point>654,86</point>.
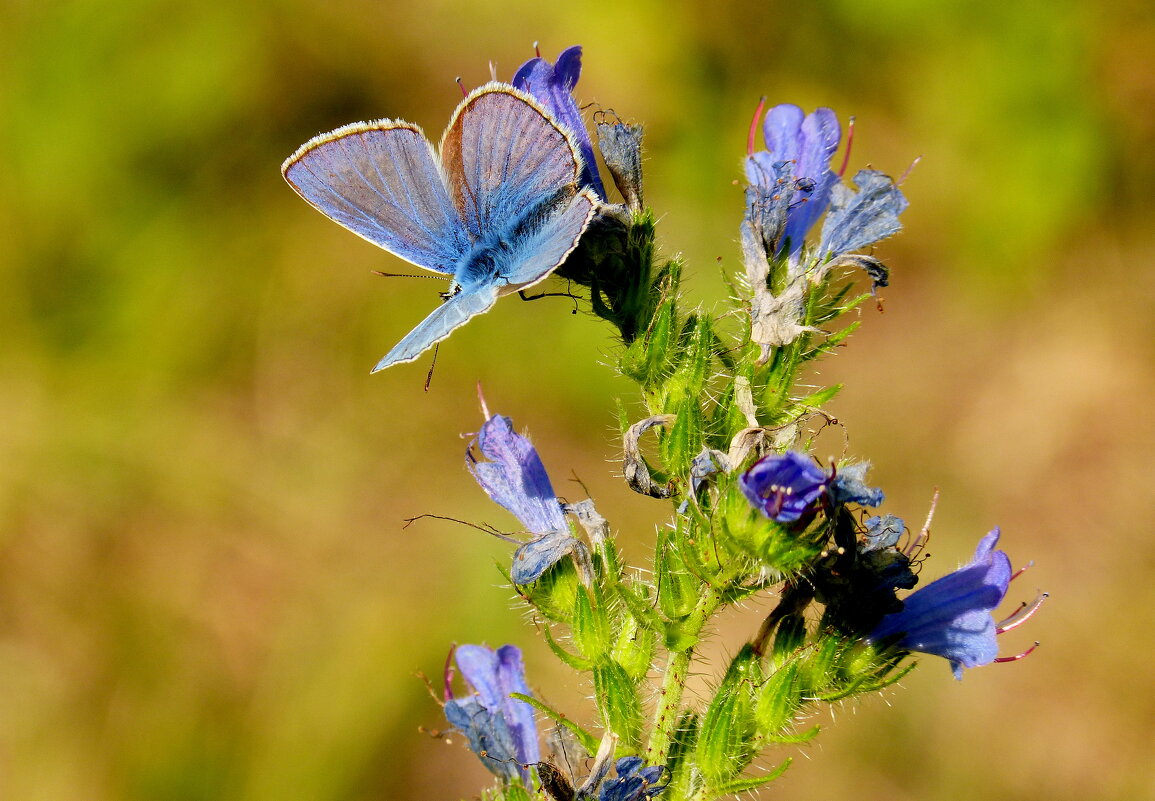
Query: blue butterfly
<point>497,208</point>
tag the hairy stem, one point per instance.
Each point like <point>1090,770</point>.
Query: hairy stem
<point>674,681</point>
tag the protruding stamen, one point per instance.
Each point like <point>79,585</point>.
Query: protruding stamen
<point>449,672</point>
<point>924,534</point>
<point>754,125</point>
<point>536,49</point>
<point>461,85</point>
<point>481,399</point>
<point>1021,615</point>
<point>493,70</point>
<point>1022,570</point>
<point>1017,657</point>
<point>903,177</point>
<point>849,144</point>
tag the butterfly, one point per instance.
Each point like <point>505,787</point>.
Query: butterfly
<point>496,208</point>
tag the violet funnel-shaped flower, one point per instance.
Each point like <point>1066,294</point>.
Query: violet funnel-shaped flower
<point>794,170</point>
<point>783,487</point>
<point>500,729</point>
<point>951,617</point>
<point>515,478</point>
<point>553,85</point>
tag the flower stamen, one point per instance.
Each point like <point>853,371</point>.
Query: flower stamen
<point>1017,657</point>
<point>754,125</point>
<point>849,144</point>
<point>1021,615</point>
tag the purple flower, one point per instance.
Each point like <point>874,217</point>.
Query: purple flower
<point>500,729</point>
<point>634,782</point>
<point>553,85</point>
<point>951,617</point>
<point>784,487</point>
<point>794,170</point>
<point>515,478</point>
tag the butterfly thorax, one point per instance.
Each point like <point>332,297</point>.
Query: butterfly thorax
<point>507,249</point>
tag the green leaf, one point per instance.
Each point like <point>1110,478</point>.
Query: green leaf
<point>587,740</point>
<point>634,649</point>
<point>677,588</point>
<point>726,743</point>
<point>572,660</point>
<point>591,628</point>
<point>746,785</point>
<point>817,400</point>
<point>617,699</point>
<point>778,701</point>
<point>640,608</point>
<point>555,593</point>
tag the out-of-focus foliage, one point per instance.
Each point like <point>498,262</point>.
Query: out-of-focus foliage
<point>205,587</point>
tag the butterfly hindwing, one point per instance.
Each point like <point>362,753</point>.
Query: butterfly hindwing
<point>381,181</point>
<point>454,312</point>
<point>540,248</point>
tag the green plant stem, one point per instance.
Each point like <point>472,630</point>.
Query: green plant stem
<point>676,673</point>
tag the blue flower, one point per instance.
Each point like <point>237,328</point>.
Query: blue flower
<point>794,170</point>
<point>861,218</point>
<point>515,478</point>
<point>951,617</point>
<point>634,782</point>
<point>500,729</point>
<point>784,487</point>
<point>553,85</point>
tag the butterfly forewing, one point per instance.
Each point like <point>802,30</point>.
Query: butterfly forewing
<point>381,181</point>
<point>502,154</point>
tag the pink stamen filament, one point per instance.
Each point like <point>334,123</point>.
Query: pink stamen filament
<point>923,535</point>
<point>849,145</point>
<point>1020,615</point>
<point>1017,657</point>
<point>449,672</point>
<point>908,171</point>
<point>1022,570</point>
<point>461,86</point>
<point>754,125</point>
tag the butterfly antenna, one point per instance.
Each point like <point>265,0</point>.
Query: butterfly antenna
<point>461,85</point>
<point>754,125</point>
<point>432,366</point>
<point>849,145</point>
<point>409,275</point>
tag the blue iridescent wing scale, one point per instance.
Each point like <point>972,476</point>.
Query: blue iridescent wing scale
<point>381,180</point>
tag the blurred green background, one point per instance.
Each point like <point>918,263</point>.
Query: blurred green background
<point>205,588</point>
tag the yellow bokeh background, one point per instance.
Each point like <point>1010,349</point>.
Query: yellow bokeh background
<point>206,588</point>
